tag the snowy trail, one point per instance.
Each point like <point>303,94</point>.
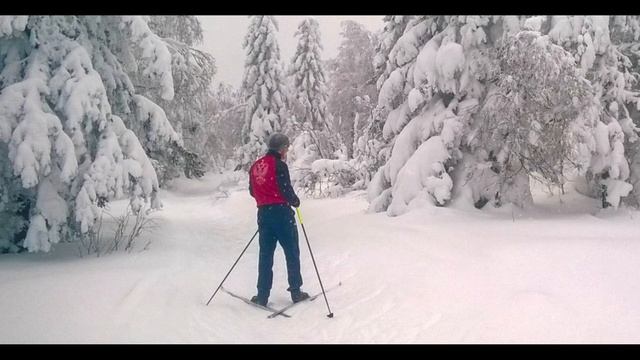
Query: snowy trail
<point>438,275</point>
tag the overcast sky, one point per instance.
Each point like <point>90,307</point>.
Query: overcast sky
<point>223,36</point>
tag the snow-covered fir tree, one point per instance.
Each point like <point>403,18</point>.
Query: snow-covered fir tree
<point>185,29</point>
<point>312,132</point>
<point>192,72</point>
<point>439,67</point>
<point>352,83</point>
<point>329,168</point>
<point>370,149</point>
<point>447,75</point>
<point>262,87</point>
<point>594,42</point>
<point>310,84</point>
<point>625,33</point>
<point>401,97</point>
<point>394,28</point>
<point>66,109</point>
<point>537,120</point>
<point>227,109</point>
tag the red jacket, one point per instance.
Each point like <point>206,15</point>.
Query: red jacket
<point>269,181</point>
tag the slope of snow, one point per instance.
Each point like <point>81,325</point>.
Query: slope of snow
<point>558,273</point>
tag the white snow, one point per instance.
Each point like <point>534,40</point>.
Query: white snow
<point>53,209</point>
<point>558,273</point>
<point>160,129</point>
<point>602,138</point>
<point>407,46</point>
<point>422,179</point>
<point>155,53</point>
<point>449,60</point>
<point>511,24</point>
<point>37,238</point>
<point>589,55</point>
<point>561,29</point>
<point>425,69</point>
<point>11,24</point>
<point>327,166</point>
<point>391,88</point>
<point>615,190</point>
<point>534,23</point>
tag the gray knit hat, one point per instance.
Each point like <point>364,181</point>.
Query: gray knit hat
<point>278,142</point>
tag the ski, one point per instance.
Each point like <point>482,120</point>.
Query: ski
<point>311,298</point>
<point>266,308</point>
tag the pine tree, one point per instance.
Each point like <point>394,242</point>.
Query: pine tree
<point>262,86</point>
<point>310,91</point>
<point>394,111</point>
<point>227,109</point>
<point>67,107</point>
<point>625,32</point>
<point>596,43</point>
<point>440,67</point>
<point>371,149</point>
<point>352,86</point>
<point>192,72</point>
<point>532,128</point>
<point>448,72</point>
<point>394,27</point>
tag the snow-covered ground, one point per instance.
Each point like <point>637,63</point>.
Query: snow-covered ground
<point>558,273</point>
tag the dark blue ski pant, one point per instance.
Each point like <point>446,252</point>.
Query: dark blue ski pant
<point>276,223</point>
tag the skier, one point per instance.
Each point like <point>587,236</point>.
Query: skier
<point>270,185</point>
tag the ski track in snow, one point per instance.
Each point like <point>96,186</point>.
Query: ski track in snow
<point>445,275</point>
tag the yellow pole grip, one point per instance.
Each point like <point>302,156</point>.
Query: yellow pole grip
<point>299,216</point>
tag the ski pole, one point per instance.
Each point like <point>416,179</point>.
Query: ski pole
<point>234,265</point>
<point>330,315</point>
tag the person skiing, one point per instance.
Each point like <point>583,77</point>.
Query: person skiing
<point>270,186</point>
